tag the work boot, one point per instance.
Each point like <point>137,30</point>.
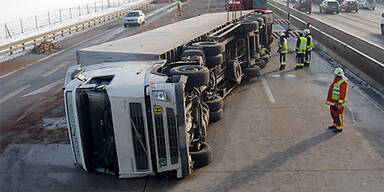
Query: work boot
<point>337,130</point>
<point>282,67</point>
<point>332,127</point>
<point>297,68</point>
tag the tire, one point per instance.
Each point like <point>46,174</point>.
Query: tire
<point>193,52</point>
<point>216,115</point>
<point>215,104</point>
<point>266,59</point>
<point>235,72</point>
<point>210,48</point>
<point>197,75</point>
<point>203,157</point>
<point>337,12</point>
<point>212,61</point>
<point>248,26</point>
<point>252,72</point>
<point>261,63</point>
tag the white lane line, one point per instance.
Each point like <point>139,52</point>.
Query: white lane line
<point>268,90</point>
<point>44,89</point>
<point>369,99</point>
<point>58,67</point>
<point>54,54</point>
<point>10,95</point>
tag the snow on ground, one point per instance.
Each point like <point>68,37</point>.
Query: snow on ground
<point>35,17</point>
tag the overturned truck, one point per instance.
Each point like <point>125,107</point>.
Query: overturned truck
<point>141,105</point>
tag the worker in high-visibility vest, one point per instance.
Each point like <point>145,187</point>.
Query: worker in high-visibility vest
<point>337,97</point>
<point>308,51</point>
<point>283,49</point>
<point>179,7</point>
<point>301,47</point>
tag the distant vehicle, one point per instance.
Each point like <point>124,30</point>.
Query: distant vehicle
<point>233,5</point>
<point>329,6</point>
<point>303,5</point>
<point>382,23</point>
<point>367,4</point>
<point>349,5</point>
<point>136,17</point>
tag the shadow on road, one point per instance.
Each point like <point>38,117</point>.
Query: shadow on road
<point>270,162</point>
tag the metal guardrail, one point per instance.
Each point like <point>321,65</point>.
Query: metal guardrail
<point>370,66</point>
<point>34,40</point>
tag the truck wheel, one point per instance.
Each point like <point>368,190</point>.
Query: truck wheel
<point>248,26</point>
<point>215,115</point>
<point>265,59</point>
<point>252,72</point>
<point>235,72</point>
<point>215,104</point>
<point>261,63</point>
<point>210,48</point>
<point>212,61</point>
<point>202,157</point>
<point>197,75</point>
<point>193,52</point>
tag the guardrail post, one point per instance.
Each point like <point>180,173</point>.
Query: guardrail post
<point>69,32</point>
<point>53,36</point>
<point>49,18</point>
<point>21,26</point>
<point>23,46</point>
<point>62,33</point>
<point>10,52</point>
<point>36,22</point>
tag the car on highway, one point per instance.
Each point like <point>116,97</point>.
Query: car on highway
<point>367,4</point>
<point>135,17</point>
<point>382,23</point>
<point>303,5</point>
<point>349,5</point>
<point>329,6</point>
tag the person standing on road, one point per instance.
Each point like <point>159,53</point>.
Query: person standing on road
<point>283,49</point>
<point>337,97</point>
<point>180,8</point>
<point>308,55</point>
<point>301,47</point>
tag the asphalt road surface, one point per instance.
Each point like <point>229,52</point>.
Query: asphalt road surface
<point>364,24</point>
<point>273,136</point>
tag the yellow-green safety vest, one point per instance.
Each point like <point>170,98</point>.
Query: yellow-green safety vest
<point>336,92</point>
<point>303,45</point>
<point>310,46</point>
<point>284,46</point>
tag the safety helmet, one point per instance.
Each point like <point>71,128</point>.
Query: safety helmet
<point>338,71</point>
<point>306,31</point>
<point>281,35</point>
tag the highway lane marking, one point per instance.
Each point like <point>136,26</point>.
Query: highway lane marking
<point>44,89</point>
<point>54,54</point>
<point>369,99</point>
<point>268,91</point>
<point>12,94</point>
<point>58,67</point>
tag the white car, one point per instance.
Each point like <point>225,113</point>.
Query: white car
<point>382,23</point>
<point>136,17</point>
<point>368,4</point>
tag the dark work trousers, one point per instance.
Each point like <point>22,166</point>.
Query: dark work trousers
<point>283,59</point>
<point>300,59</point>
<point>307,58</point>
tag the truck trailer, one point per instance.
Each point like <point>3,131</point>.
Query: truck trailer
<point>141,105</point>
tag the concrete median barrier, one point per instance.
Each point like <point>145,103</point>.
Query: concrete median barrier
<point>366,57</point>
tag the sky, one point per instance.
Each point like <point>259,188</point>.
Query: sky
<point>13,10</point>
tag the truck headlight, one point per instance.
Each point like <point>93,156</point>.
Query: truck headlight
<point>160,95</point>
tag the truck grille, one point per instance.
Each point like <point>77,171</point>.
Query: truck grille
<point>138,133</point>
<point>160,140</point>
<point>172,131</point>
